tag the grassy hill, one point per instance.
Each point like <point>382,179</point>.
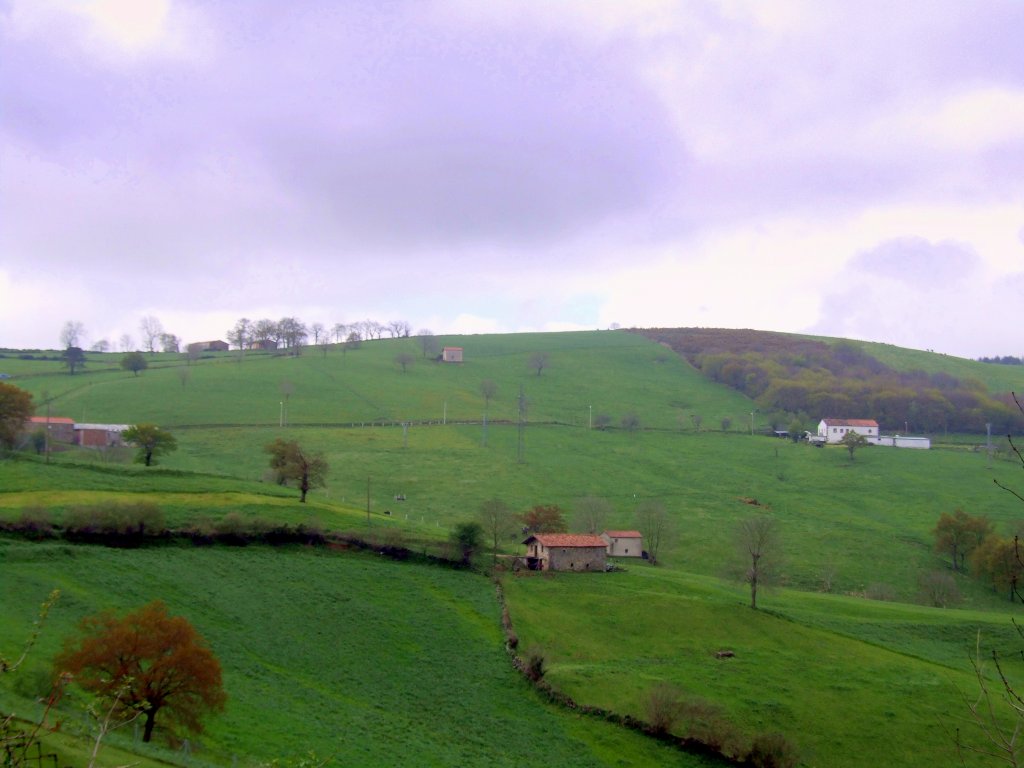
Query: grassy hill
<point>891,672</point>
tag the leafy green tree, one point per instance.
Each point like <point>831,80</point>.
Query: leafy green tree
<point>852,441</point>
<point>960,534</point>
<point>467,537</point>
<point>291,463</point>
<point>73,358</point>
<point>147,662</point>
<point>151,441</point>
<point>15,409</point>
<point>134,362</point>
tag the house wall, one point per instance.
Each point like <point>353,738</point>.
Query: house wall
<point>834,434</point>
<point>60,431</point>
<point>624,546</point>
<point>576,559</point>
<point>452,354</point>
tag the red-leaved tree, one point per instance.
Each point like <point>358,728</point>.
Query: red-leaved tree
<point>147,662</point>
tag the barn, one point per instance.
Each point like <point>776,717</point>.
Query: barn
<point>565,552</point>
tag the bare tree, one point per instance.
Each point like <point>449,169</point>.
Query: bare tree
<point>398,329</point>
<point>293,333</point>
<point>151,329</point>
<point>757,542</point>
<point>318,331</point>
<point>338,332</point>
<point>591,513</point>
<point>498,522</point>
<point>653,522</point>
<point>101,346</point>
<point>428,341</point>
<point>170,343</point>
<point>488,389</point>
<point>264,331</point>
<point>630,422</point>
<point>72,334</point>
<point>240,334</point>
<point>127,343</point>
<point>404,360</point>
<point>538,362</point>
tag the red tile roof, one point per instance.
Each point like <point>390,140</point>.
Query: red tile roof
<point>568,540</point>
<point>625,534</point>
<point>52,420</point>
<point>851,422</point>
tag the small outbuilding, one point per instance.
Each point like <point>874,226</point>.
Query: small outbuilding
<point>451,355</point>
<point>565,552</point>
<point>623,543</point>
<point>100,435</point>
<point>59,428</point>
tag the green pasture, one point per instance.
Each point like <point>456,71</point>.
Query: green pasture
<point>359,660</point>
<point>852,683</point>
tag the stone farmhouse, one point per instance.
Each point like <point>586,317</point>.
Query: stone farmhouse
<point>451,355</point>
<point>623,543</point>
<point>833,430</point>
<point>565,552</point>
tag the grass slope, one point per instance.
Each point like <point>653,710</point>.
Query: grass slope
<point>357,659</point>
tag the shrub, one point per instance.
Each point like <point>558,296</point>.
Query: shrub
<point>664,706</point>
<point>34,523</point>
<point>773,750</point>
<point>880,591</point>
<point>535,663</point>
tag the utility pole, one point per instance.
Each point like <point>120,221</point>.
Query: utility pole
<point>522,422</point>
<point>368,500</point>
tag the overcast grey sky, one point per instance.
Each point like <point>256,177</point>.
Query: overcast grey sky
<point>849,169</point>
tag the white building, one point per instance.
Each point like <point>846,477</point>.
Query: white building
<point>624,543</point>
<point>833,430</point>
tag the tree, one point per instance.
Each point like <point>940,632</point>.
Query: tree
<point>538,362</point>
<point>630,422</point>
<point>73,358</point>
<point>100,346</point>
<point>602,421</point>
<point>404,360</point>
<point>852,441</point>
<point>147,662</point>
<point>488,389</point>
<point>170,343</point>
<point>127,343</point>
<point>497,520</point>
<point>151,441</point>
<point>151,330</point>
<point>757,540</point>
<point>544,518</point>
<point>72,334</point>
<point>467,537</point>
<point>134,362</point>
<point>240,334</point>
<point>960,534</point>
<point>998,561</point>
<point>293,333</point>
<point>591,513</point>
<point>653,522</point>
<point>291,463</point>
<point>318,331</point>
<point>428,341</point>
<point>15,409</point>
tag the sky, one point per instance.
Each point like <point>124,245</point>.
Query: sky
<point>819,166</point>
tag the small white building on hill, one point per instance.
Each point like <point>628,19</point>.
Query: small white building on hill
<point>833,430</point>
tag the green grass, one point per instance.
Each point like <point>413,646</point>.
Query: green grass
<point>361,660</point>
<point>854,682</point>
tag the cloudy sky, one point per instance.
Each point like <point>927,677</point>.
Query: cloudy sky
<point>848,169</point>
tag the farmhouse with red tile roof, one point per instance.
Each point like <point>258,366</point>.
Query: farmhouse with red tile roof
<point>60,428</point>
<point>565,552</point>
<point>623,543</point>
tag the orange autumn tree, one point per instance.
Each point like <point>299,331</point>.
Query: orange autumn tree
<point>149,663</point>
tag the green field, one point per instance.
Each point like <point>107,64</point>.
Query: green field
<point>851,681</point>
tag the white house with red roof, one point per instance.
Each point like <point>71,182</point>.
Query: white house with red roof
<point>565,552</point>
<point>623,543</point>
<point>451,355</point>
<point>833,430</point>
